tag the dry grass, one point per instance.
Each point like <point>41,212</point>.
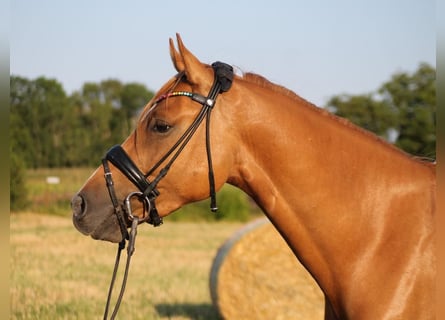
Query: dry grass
<point>56,273</point>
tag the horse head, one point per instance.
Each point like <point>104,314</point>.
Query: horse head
<point>167,157</point>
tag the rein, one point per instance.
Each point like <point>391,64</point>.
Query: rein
<point>147,192</point>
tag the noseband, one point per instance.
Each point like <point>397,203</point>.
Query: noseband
<point>146,191</point>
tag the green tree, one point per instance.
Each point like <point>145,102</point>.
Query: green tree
<point>366,112</point>
<point>414,99</point>
<point>38,110</point>
<point>107,112</point>
<point>50,129</point>
<point>134,97</point>
<point>402,110</point>
<point>96,118</point>
<point>20,118</point>
<point>18,195</point>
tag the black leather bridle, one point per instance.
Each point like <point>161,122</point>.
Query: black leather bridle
<point>146,190</point>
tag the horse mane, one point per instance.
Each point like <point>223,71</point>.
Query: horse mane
<point>266,84</point>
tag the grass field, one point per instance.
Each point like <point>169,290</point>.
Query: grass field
<point>55,199</point>
<point>56,273</point>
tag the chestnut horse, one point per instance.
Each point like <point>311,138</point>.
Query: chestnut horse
<point>357,212</point>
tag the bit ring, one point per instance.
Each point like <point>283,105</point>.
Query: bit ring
<point>129,209</point>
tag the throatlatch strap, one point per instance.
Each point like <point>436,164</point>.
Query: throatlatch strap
<point>222,83</point>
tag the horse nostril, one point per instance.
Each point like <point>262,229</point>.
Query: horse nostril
<point>78,205</point>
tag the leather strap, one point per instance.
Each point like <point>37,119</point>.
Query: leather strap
<point>120,159</point>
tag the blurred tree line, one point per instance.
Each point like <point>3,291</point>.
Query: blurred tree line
<point>49,128</point>
<point>402,111</point>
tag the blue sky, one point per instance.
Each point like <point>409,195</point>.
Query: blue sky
<point>316,48</point>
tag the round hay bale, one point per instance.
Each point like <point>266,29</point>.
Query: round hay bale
<point>255,275</point>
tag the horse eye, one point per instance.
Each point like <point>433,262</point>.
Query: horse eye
<point>161,127</point>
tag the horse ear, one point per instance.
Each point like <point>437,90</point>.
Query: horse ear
<point>177,60</point>
<point>195,71</point>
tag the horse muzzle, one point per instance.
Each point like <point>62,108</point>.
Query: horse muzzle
<point>103,226</point>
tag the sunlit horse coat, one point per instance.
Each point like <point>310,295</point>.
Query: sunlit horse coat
<point>357,212</point>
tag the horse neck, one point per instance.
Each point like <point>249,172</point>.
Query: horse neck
<point>323,183</point>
